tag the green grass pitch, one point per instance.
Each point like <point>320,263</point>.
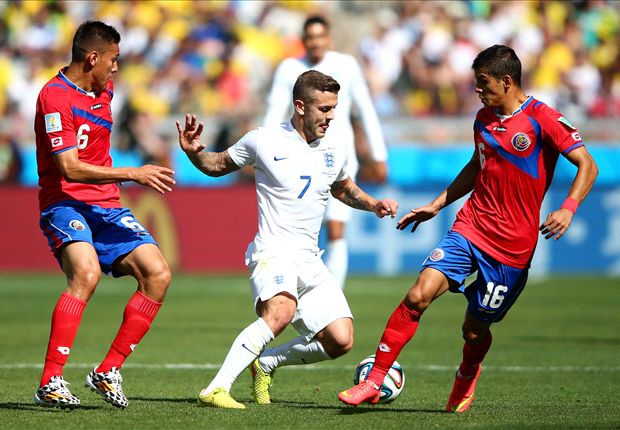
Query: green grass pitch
<point>554,363</point>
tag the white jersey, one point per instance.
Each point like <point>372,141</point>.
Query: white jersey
<point>293,182</point>
<point>353,91</point>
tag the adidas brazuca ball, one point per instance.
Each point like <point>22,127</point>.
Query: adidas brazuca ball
<point>393,382</point>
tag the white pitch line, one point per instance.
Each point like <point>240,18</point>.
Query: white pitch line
<point>433,368</point>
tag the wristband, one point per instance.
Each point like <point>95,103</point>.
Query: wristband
<point>570,204</point>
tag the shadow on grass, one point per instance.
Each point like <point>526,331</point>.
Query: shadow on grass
<point>32,407</point>
<point>344,410</point>
<point>350,410</point>
<point>192,400</point>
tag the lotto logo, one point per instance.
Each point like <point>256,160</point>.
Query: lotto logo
<point>576,136</point>
<point>64,350</point>
<point>57,141</point>
<point>384,348</point>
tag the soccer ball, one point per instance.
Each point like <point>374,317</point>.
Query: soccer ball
<point>393,382</point>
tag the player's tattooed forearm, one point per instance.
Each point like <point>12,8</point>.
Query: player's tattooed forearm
<point>212,163</point>
<point>353,197</point>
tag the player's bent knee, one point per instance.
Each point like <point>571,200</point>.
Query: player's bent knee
<point>417,300</point>
<point>337,347</point>
<point>337,339</point>
<point>277,312</point>
<point>473,335</point>
<point>82,283</point>
<point>157,281</point>
<point>162,278</point>
<point>86,278</point>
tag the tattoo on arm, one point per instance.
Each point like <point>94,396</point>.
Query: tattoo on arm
<point>351,195</point>
<point>214,163</point>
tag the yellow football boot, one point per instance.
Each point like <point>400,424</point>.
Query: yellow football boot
<point>219,398</point>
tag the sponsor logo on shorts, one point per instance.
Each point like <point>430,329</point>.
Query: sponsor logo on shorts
<point>77,225</point>
<point>521,141</point>
<point>436,255</point>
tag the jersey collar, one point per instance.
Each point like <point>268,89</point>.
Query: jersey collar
<point>66,80</point>
<point>289,127</point>
<point>527,101</point>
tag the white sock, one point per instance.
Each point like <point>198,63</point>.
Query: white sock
<point>337,260</point>
<point>297,351</point>
<point>246,347</point>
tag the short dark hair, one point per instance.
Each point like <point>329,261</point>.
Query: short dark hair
<point>499,60</point>
<point>313,80</point>
<point>92,36</point>
<point>315,19</point>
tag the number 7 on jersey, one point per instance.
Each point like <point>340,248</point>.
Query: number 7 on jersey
<point>305,178</point>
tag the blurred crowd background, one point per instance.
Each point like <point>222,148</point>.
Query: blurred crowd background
<point>217,58</point>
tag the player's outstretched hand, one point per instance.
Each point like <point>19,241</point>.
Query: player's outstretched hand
<point>157,177</point>
<point>417,215</point>
<point>189,136</point>
<point>386,207</point>
<point>556,224</point>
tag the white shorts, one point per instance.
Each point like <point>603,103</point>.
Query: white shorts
<point>320,300</point>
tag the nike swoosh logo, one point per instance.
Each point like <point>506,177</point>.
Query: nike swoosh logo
<point>244,346</point>
<point>275,158</point>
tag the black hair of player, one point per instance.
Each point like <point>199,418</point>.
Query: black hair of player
<point>315,19</point>
<point>498,61</point>
<point>92,36</point>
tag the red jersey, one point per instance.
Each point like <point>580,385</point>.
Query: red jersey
<point>518,155</point>
<point>68,117</point>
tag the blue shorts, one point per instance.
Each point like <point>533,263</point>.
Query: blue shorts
<point>113,232</point>
<point>496,286</point>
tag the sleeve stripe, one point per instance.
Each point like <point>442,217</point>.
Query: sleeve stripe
<point>64,149</point>
<point>574,146</point>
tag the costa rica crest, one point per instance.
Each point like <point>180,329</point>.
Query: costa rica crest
<point>521,141</point>
<point>436,254</point>
<point>77,225</point>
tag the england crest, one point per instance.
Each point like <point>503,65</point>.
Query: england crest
<point>328,157</point>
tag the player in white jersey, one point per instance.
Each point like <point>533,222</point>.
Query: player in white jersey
<point>296,170</point>
<point>353,93</point>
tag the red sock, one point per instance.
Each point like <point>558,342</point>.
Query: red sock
<point>139,314</point>
<point>473,356</point>
<point>399,330</point>
<point>65,323</point>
